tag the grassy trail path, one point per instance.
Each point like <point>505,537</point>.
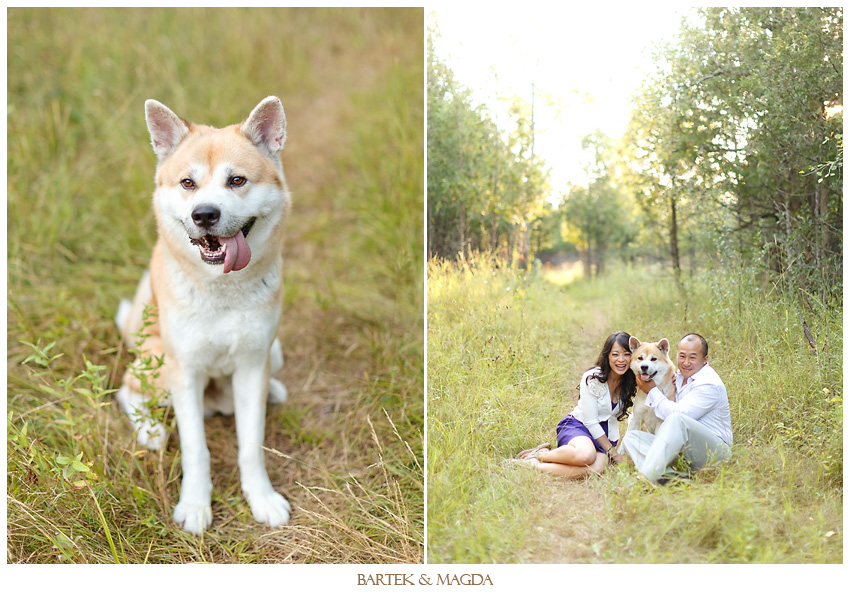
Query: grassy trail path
<point>505,355</point>
<point>505,360</point>
<point>570,516</point>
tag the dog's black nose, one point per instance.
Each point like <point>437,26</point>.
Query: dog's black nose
<point>206,216</point>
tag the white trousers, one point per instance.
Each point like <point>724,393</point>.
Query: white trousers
<point>653,454</point>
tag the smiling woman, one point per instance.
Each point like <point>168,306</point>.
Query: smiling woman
<point>588,435</point>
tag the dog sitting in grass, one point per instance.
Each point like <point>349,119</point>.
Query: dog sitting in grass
<point>215,291</point>
<point>650,362</point>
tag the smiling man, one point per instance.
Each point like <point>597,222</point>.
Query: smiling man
<point>698,424</point>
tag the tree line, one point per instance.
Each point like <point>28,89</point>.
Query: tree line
<point>735,143</point>
<point>485,186</point>
<point>734,150</point>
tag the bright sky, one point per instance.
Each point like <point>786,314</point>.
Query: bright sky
<point>591,59</point>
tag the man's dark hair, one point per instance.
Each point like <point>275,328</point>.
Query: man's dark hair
<point>703,343</point>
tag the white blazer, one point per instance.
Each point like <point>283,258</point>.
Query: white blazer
<point>594,406</point>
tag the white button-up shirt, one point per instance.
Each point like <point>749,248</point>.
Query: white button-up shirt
<point>703,398</point>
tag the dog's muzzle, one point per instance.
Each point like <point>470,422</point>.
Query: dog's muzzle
<point>231,251</point>
<point>645,375</point>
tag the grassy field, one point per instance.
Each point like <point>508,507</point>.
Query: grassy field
<point>505,352</point>
<point>346,449</point>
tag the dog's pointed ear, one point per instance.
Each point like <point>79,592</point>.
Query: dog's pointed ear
<point>266,126</point>
<point>633,343</point>
<point>664,345</point>
<point>166,128</point>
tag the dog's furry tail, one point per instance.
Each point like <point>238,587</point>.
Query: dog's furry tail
<point>123,315</point>
<point>276,354</point>
<point>130,312</point>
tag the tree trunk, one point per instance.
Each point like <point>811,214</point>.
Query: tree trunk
<point>822,222</point>
<point>674,235</point>
<point>600,256</point>
<point>462,230</point>
<point>524,242</point>
<point>494,220</point>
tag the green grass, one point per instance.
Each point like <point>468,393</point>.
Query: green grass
<point>346,450</point>
<point>505,352</point>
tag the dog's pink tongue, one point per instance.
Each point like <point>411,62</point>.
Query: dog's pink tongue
<point>237,252</point>
<point>645,377</point>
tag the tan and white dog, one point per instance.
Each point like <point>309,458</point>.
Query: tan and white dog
<point>651,363</point>
<point>215,283</point>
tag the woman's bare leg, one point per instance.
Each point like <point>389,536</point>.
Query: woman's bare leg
<point>577,459</point>
<point>579,452</point>
<point>570,472</point>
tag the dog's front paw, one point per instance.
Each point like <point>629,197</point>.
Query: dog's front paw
<point>195,517</point>
<point>270,508</point>
<point>149,432</point>
<point>277,392</point>
<point>151,435</point>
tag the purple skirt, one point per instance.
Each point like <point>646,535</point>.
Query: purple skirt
<point>571,427</point>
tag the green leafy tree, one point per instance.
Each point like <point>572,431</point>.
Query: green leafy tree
<point>598,216</point>
<point>486,189</point>
<point>735,116</point>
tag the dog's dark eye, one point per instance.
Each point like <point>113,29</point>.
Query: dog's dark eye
<point>238,181</point>
<point>187,183</point>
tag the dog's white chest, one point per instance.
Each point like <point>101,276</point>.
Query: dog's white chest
<point>216,329</point>
<point>216,342</point>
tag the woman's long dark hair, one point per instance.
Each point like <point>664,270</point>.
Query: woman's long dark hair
<point>628,385</point>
